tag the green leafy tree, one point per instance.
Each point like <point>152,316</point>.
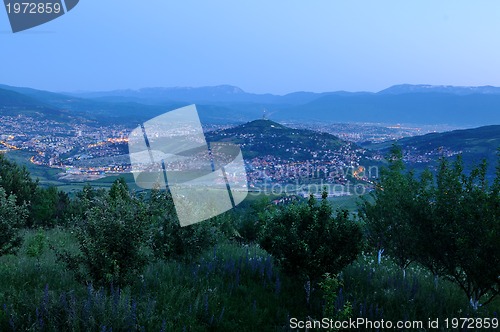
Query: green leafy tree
<point>44,207</point>
<point>17,180</point>
<point>252,222</point>
<point>111,239</point>
<point>450,225</point>
<point>119,190</point>
<point>82,202</point>
<point>169,239</point>
<point>309,240</point>
<point>50,207</point>
<point>12,218</point>
<point>392,217</point>
<point>465,242</point>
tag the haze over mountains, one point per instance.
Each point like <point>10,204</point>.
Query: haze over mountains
<point>410,104</point>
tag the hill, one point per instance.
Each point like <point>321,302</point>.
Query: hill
<point>265,137</point>
<point>14,103</point>
<point>120,109</point>
<point>11,99</point>
<point>473,144</point>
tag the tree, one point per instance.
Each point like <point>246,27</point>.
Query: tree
<point>168,238</point>
<point>111,239</point>
<point>252,221</point>
<point>309,240</point>
<point>450,225</point>
<point>17,180</point>
<point>12,218</point>
<point>82,202</point>
<point>392,217</point>
<point>50,207</point>
<point>465,243</point>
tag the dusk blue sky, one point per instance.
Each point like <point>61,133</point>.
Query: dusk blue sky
<point>276,46</point>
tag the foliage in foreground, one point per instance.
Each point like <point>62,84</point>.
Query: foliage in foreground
<point>12,219</point>
<point>228,287</point>
<point>308,240</point>
<point>171,241</point>
<point>233,287</point>
<point>451,225</point>
<point>111,238</point>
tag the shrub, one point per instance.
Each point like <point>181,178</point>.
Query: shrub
<point>12,218</point>
<point>50,207</point>
<point>169,239</point>
<point>16,180</point>
<point>251,224</point>
<point>111,239</point>
<point>36,245</point>
<point>331,286</point>
<point>309,241</point>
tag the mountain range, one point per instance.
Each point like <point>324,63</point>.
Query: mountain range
<point>409,104</point>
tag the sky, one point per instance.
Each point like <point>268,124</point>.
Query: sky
<point>272,46</point>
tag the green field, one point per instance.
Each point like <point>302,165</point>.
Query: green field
<point>49,176</point>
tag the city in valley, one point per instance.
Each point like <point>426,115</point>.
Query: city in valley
<point>86,150</point>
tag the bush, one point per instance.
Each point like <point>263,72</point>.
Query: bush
<point>331,287</point>
<point>111,239</point>
<point>36,245</point>
<point>50,207</point>
<point>252,221</point>
<point>12,218</point>
<point>169,239</point>
<point>17,180</point>
<point>309,241</point>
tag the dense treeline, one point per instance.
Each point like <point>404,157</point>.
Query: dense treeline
<point>116,255</point>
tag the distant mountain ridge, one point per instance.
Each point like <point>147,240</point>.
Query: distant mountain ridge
<point>218,94</point>
<point>229,93</point>
<point>10,98</point>
<point>13,103</point>
<point>403,104</point>
<point>470,110</point>
<point>425,88</point>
